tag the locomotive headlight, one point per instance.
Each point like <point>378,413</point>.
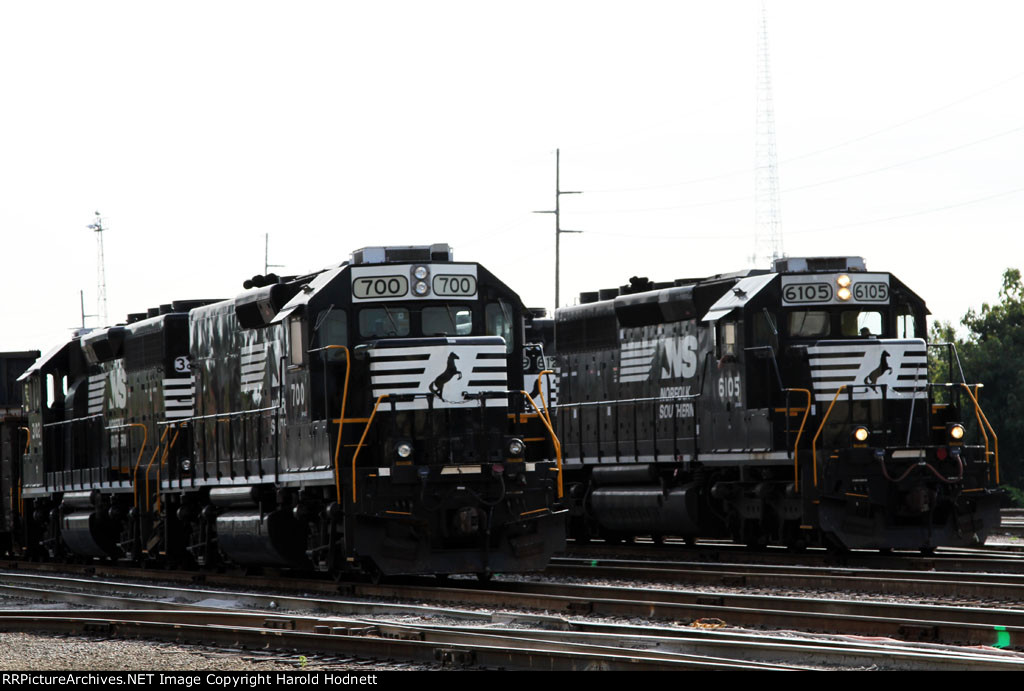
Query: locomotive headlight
<point>956,432</point>
<point>420,288</point>
<point>515,448</point>
<point>403,449</point>
<point>420,273</point>
<point>843,281</point>
<point>860,434</point>
<point>844,294</point>
<point>186,465</point>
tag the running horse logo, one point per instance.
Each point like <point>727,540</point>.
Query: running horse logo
<point>437,386</point>
<point>883,367</point>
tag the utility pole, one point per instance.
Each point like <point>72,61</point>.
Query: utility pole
<point>558,225</point>
<point>101,274</point>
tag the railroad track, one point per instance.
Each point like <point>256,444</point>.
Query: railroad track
<point>978,586</point>
<point>994,559</point>
<point>354,624</point>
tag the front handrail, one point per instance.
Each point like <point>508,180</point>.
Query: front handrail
<point>981,415</point>
<point>373,415</point>
<point>951,355</point>
<point>540,392</point>
<point>359,446</point>
<point>554,440</point>
<point>814,442</point>
<point>800,432</point>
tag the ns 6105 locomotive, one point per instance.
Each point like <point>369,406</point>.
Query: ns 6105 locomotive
<point>791,406</point>
<point>368,417</point>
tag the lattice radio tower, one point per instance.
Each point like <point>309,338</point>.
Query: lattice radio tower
<point>101,274</point>
<point>768,231</point>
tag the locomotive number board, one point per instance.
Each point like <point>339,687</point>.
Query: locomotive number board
<point>823,289</point>
<point>400,282</point>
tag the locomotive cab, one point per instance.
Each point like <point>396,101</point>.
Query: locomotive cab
<point>374,428</point>
<point>880,470</point>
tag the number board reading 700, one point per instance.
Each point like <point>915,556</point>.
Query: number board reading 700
<point>370,287</point>
<point>391,282</point>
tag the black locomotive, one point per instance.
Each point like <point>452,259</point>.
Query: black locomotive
<point>368,417</point>
<point>791,406</point>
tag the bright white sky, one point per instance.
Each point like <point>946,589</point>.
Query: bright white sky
<point>198,127</point>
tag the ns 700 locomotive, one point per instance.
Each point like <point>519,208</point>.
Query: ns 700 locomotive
<point>368,417</point>
<point>791,406</point>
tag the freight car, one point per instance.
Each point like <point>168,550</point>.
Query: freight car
<point>792,406</point>
<point>368,417</point>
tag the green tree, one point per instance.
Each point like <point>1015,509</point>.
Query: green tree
<point>993,354</point>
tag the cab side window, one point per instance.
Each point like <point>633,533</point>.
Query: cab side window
<point>331,329</point>
<point>905,324</point>
<point>727,339</point>
<point>296,342</point>
<point>498,322</point>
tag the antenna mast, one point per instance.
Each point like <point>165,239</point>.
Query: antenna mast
<point>767,230</point>
<point>101,274</point>
<point>266,255</point>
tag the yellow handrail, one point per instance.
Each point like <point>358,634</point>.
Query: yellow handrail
<point>978,411</point>
<point>981,427</point>
<point>341,422</point>
<point>138,461</point>
<point>796,444</point>
<point>150,464</point>
<point>554,440</point>
<point>376,405</point>
<point>814,442</point>
<point>163,461</point>
<point>540,392</point>
<point>360,445</point>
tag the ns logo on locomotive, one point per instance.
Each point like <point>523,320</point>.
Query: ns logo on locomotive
<point>790,406</point>
<point>367,417</point>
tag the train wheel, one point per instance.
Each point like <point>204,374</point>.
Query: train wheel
<point>484,576</point>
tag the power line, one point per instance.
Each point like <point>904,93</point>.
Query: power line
<point>808,231</point>
<point>820,183</point>
<point>815,152</point>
